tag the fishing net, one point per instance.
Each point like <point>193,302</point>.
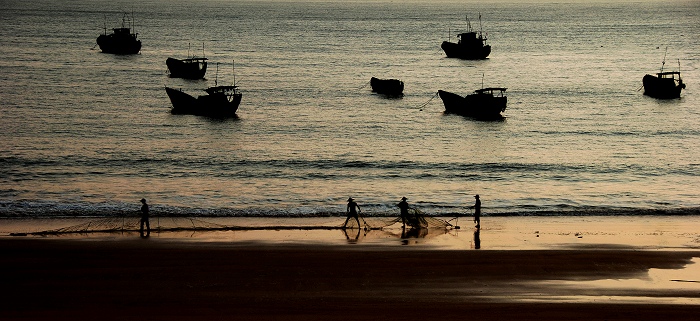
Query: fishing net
<point>416,220</point>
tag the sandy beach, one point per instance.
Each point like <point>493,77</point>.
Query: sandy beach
<point>287,277</point>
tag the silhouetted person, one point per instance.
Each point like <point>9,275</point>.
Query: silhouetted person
<point>144,218</point>
<point>477,211</point>
<point>352,212</point>
<point>403,205</point>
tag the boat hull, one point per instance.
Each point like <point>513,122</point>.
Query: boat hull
<point>212,105</point>
<point>480,106</point>
<point>389,87</point>
<point>662,88</point>
<point>186,69</point>
<point>119,44</point>
<point>467,52</point>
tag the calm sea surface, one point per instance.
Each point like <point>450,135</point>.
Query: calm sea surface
<point>87,133</point>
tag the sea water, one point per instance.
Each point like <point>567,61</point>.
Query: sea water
<point>89,134</point>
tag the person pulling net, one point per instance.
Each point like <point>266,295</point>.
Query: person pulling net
<point>416,219</point>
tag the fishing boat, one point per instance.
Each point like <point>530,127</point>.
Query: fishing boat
<point>485,103</point>
<point>470,45</point>
<point>121,41</point>
<point>219,101</point>
<point>389,87</point>
<point>190,68</point>
<point>665,85</point>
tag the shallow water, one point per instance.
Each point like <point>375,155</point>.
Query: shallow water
<point>86,133</point>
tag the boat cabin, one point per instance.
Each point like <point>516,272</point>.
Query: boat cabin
<point>499,92</point>
<point>122,31</point>
<point>669,75</point>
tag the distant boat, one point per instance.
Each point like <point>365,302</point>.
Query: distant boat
<point>220,101</point>
<point>190,68</point>
<point>485,103</point>
<point>389,87</point>
<point>470,45</point>
<point>122,41</point>
<point>665,85</point>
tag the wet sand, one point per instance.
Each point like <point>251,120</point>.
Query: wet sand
<point>120,278</point>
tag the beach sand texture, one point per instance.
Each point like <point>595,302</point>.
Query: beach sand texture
<point>180,278</point>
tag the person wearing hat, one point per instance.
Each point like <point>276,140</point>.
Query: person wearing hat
<point>403,205</point>
<point>144,218</point>
<point>477,211</point>
<point>352,212</point>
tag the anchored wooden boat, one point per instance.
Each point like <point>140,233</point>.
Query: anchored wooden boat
<point>389,87</point>
<point>121,41</point>
<point>470,45</point>
<point>485,103</point>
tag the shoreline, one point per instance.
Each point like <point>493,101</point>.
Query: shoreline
<point>496,233</point>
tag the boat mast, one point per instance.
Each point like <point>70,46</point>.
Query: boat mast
<point>203,55</point>
<point>664,61</point>
<point>481,31</point>
<point>233,69</point>
<point>216,80</point>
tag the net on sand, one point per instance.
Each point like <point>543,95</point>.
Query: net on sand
<point>416,220</point>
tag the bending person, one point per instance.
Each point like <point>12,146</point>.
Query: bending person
<point>352,212</point>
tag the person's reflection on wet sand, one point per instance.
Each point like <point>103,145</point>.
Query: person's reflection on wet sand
<point>352,240</point>
<point>477,239</point>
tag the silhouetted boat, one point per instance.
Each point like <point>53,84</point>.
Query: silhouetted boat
<point>220,101</point>
<point>469,45</point>
<point>664,85</point>
<point>389,87</point>
<point>485,103</point>
<point>190,68</point>
<point>121,41</point>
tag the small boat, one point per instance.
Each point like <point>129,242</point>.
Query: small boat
<point>121,41</point>
<point>389,87</point>
<point>190,68</point>
<point>485,103</point>
<point>470,45</point>
<point>665,85</point>
<point>220,101</point>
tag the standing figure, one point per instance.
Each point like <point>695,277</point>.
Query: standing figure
<point>144,218</point>
<point>403,205</point>
<point>477,211</point>
<point>352,212</point>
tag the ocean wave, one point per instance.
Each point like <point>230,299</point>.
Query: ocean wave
<point>49,209</point>
<point>21,168</point>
